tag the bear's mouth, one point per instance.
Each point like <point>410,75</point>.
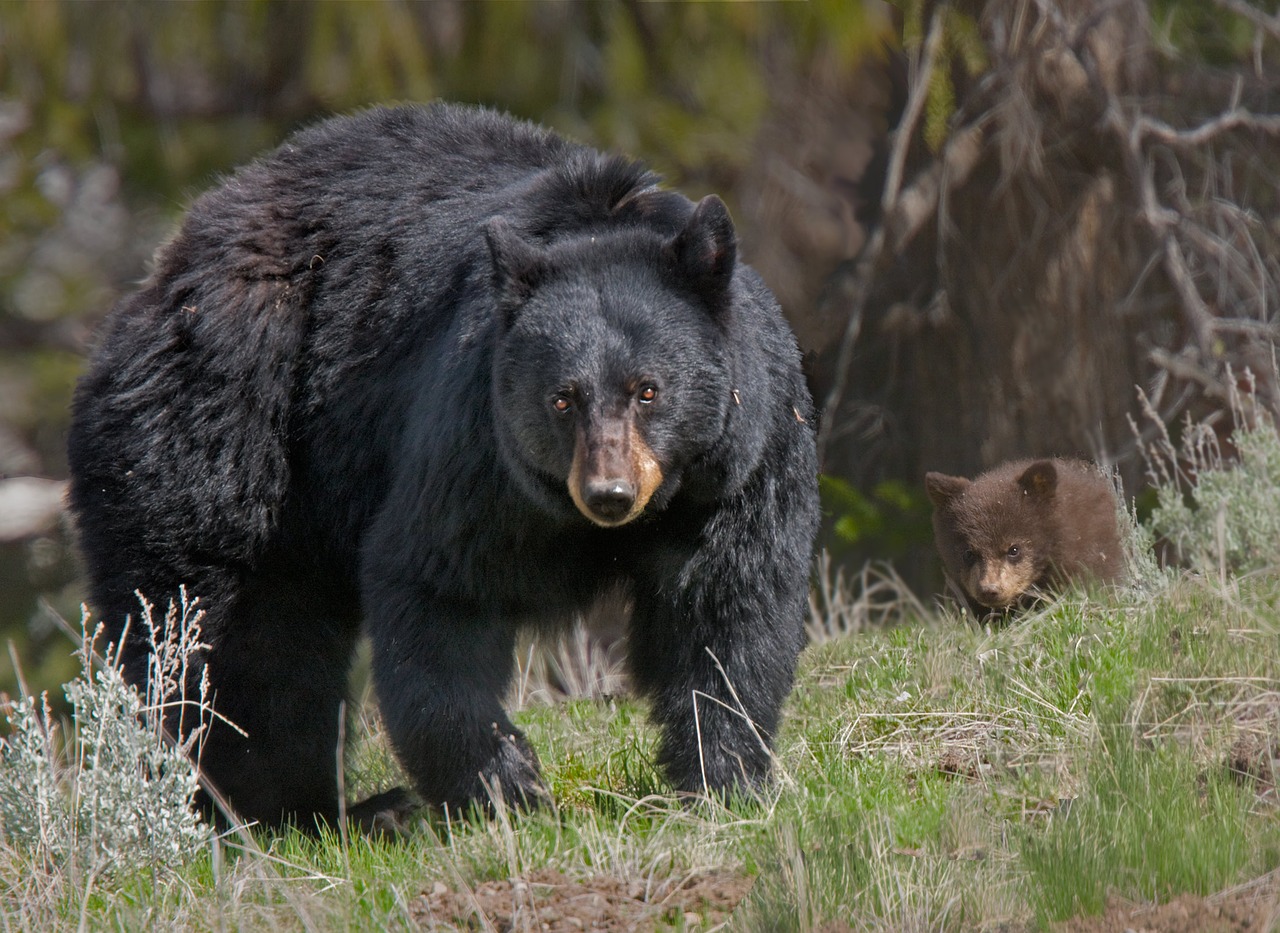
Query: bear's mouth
<point>613,476</point>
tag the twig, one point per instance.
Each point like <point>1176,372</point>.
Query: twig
<point>870,259</point>
<point>1235,119</point>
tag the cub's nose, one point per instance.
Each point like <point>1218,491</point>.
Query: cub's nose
<point>610,499</point>
<point>989,594</point>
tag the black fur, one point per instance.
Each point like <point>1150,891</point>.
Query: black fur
<point>329,407</point>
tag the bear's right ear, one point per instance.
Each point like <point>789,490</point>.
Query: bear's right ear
<point>943,489</point>
<point>518,265</point>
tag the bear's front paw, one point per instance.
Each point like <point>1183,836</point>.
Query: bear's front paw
<point>720,774</point>
<point>511,778</point>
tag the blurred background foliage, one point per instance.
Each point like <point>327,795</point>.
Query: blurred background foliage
<point>963,338</point>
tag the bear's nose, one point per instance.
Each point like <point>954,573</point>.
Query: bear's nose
<point>610,499</point>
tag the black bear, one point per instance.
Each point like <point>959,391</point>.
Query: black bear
<point>1025,527</point>
<point>432,373</point>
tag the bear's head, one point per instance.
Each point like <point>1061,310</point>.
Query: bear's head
<point>611,373</point>
<point>994,534</point>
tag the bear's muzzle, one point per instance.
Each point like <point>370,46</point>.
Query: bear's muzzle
<point>614,473</point>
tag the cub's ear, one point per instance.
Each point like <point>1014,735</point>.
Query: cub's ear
<point>518,265</point>
<point>705,251</point>
<point>943,489</point>
<point>1040,480</point>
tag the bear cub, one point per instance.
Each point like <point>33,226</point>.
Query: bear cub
<point>429,374</point>
<point>1023,528</point>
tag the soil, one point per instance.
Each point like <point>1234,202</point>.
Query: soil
<point>1248,911</point>
<point>548,901</point>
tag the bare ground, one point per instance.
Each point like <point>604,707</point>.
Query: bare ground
<point>547,900</point>
<point>1252,909</point>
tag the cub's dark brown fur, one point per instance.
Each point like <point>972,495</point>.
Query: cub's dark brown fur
<point>1025,526</point>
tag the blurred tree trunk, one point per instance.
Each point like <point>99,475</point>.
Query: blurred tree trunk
<point>1059,216</point>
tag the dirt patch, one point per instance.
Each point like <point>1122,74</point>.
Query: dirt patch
<point>1254,762</point>
<point>1252,910</point>
<point>550,901</point>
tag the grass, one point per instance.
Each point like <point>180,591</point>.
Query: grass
<point>952,774</point>
<point>931,774</point>
<point>935,775</point>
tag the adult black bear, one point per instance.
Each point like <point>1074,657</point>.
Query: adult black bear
<point>440,373</point>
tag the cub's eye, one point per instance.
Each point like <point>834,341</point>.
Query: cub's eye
<point>646,394</point>
<point>562,404</point>
<point>1014,553</point>
<point>970,557</point>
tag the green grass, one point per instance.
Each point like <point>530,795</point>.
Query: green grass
<point>936,775</point>
<point>932,774</point>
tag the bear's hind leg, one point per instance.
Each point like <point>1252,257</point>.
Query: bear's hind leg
<point>279,664</point>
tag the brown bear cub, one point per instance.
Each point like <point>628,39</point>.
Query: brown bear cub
<point>1025,527</point>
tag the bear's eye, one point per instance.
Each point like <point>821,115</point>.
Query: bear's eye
<point>1015,553</point>
<point>562,404</point>
<point>646,394</point>
<point>970,557</point>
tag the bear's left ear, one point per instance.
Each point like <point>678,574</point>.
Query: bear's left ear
<point>1040,480</point>
<point>706,249</point>
<point>518,265</point>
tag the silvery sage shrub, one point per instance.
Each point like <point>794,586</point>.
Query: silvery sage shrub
<point>1218,493</point>
<point>115,792</point>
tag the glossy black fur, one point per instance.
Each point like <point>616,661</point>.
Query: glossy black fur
<point>326,411</point>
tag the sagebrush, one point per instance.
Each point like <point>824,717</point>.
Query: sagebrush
<point>113,790</point>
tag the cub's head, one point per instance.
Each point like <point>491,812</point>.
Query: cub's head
<point>610,373</point>
<point>994,534</point>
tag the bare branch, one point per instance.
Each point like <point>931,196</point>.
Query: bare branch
<point>915,107</point>
<point>857,291</point>
<point>1197,313</point>
<point>919,201</point>
<point>1236,119</point>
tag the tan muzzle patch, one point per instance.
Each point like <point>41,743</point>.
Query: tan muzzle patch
<point>625,466</point>
<point>998,584</point>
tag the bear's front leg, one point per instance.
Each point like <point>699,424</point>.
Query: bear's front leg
<point>440,671</point>
<point>716,631</point>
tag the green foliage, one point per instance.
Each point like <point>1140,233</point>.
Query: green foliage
<point>960,50</point>
<point>888,521</point>
<point>1202,30</point>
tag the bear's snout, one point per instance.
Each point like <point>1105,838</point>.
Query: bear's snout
<point>614,472</point>
<point>998,583</point>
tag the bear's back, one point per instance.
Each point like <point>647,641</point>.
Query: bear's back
<point>1087,518</point>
